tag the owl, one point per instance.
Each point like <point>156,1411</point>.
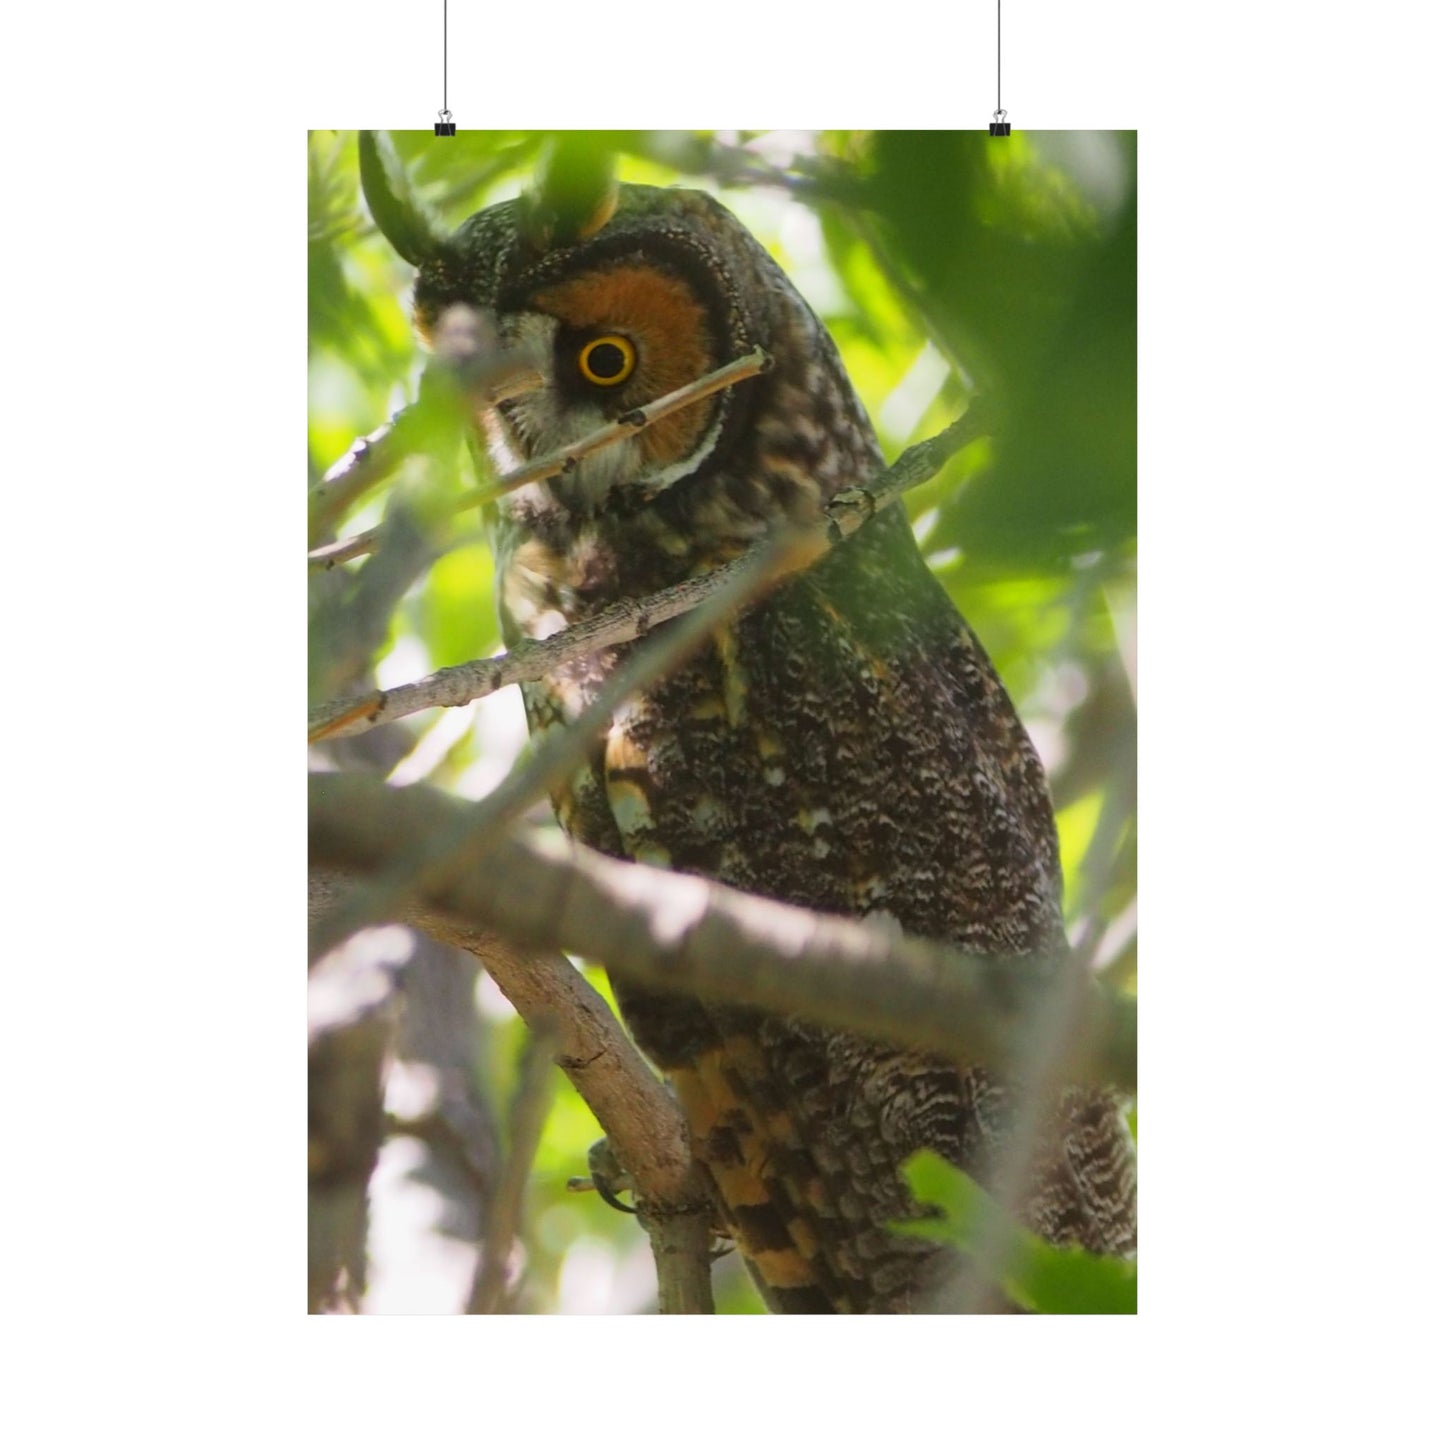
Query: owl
<point>843,744</point>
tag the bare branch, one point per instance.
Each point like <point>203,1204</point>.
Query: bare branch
<point>333,554</point>
<point>688,934</point>
<point>630,618</point>
<point>850,508</point>
<point>456,686</point>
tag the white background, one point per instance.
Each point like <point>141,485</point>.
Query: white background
<point>1290,719</point>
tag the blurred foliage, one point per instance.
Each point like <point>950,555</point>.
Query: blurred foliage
<point>1036,1276</point>
<point>942,263</point>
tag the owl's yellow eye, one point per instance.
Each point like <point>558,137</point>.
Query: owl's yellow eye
<point>607,360</point>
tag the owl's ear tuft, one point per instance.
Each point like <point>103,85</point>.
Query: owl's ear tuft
<point>413,230</point>
<point>574,194</point>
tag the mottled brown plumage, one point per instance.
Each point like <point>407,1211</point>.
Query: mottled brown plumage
<point>844,745</point>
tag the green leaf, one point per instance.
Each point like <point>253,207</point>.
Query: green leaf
<point>1040,1277</point>
<point>575,188</point>
<point>1034,294</point>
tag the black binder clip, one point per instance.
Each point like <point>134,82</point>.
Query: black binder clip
<point>445,126</point>
<point>1000,126</point>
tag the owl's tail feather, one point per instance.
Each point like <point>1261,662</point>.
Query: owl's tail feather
<point>803,1158</point>
<point>811,1221</point>
<point>739,1140</point>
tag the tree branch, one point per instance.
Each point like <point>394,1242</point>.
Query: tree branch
<point>631,618</point>
<point>682,933</point>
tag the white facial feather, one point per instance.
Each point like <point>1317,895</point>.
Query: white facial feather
<point>548,419</point>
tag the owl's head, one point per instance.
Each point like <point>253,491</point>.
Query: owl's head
<point>645,297</point>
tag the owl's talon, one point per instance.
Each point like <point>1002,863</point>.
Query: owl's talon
<point>609,1197</point>
<point>608,1175</point>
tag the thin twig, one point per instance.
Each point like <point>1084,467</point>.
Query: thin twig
<point>462,846</point>
<point>469,371</point>
<point>456,686</point>
<point>530,1107</point>
<point>333,554</point>
<point>854,506</point>
<point>566,458</point>
<point>755,363</point>
<point>631,617</point>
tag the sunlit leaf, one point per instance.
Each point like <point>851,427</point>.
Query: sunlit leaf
<point>1038,1277</point>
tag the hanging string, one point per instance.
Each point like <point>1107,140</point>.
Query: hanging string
<point>1000,124</point>
<point>444,124</point>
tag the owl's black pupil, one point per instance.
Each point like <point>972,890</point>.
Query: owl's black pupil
<point>606,360</point>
